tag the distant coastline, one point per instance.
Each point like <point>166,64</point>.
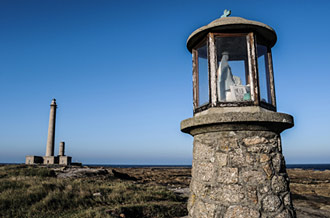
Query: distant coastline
<point>320,167</point>
<point>137,165</point>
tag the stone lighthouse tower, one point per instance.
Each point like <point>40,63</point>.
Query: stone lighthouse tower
<point>238,169</point>
<point>49,158</point>
<point>51,129</point>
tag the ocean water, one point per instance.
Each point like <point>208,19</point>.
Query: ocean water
<point>321,167</point>
<point>309,166</point>
<point>288,166</point>
<point>134,166</point>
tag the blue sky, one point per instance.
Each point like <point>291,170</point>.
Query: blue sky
<point>121,74</point>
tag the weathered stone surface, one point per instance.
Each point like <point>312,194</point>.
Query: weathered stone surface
<point>228,175</point>
<point>232,134</point>
<point>279,184</point>
<point>279,144</point>
<point>261,148</point>
<point>255,140</point>
<point>227,194</point>
<point>251,195</point>
<point>227,144</point>
<point>284,214</point>
<point>204,210</point>
<point>264,188</point>
<point>253,177</point>
<point>237,158</point>
<point>271,203</point>
<point>233,173</point>
<point>203,171</point>
<point>264,158</point>
<point>250,159</point>
<point>238,211</point>
<point>221,159</point>
<point>199,188</point>
<point>276,121</point>
<point>278,163</point>
<point>206,139</point>
<point>203,152</point>
<point>268,170</point>
<point>287,200</point>
<point>191,202</point>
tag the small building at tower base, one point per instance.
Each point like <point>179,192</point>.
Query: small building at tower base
<point>31,159</point>
<point>61,160</point>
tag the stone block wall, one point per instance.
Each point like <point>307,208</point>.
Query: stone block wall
<point>65,160</point>
<point>62,160</point>
<point>239,174</point>
<point>30,159</point>
<point>50,160</point>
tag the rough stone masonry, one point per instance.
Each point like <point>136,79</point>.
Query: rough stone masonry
<point>238,168</point>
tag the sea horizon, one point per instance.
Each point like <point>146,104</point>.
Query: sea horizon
<point>320,167</point>
<point>312,166</point>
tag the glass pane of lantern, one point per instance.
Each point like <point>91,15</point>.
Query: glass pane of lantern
<point>232,69</point>
<point>263,70</point>
<point>203,82</point>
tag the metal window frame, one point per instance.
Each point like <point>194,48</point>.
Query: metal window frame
<point>252,78</point>
<point>196,74</point>
<point>269,80</point>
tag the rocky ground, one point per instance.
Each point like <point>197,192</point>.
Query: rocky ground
<point>310,189</point>
<point>310,192</point>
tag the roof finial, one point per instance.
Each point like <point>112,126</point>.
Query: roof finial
<point>226,13</point>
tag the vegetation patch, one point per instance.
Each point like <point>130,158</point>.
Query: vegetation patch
<point>34,191</point>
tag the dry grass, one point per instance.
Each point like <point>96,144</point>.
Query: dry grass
<point>27,191</point>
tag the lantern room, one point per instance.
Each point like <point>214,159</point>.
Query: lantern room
<point>232,64</point>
